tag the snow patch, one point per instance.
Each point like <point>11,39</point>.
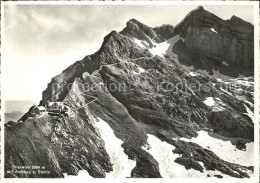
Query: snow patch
<point>225,91</point>
<point>249,113</point>
<point>213,30</point>
<point>225,149</point>
<point>194,73</point>
<point>140,43</point>
<point>218,99</point>
<point>219,105</point>
<point>225,63</point>
<point>122,166</point>
<point>162,153</point>
<point>244,82</point>
<point>160,48</point>
<point>140,70</point>
<point>209,101</point>
<point>250,103</point>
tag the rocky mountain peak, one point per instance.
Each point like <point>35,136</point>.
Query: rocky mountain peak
<point>111,34</point>
<point>138,23</point>
<point>199,17</point>
<point>200,8</point>
<point>138,30</point>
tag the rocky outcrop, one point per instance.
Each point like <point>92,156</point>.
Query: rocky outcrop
<point>60,144</point>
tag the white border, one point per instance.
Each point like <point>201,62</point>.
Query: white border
<point>132,2</point>
<point>256,90</point>
<point>178,180</point>
<point>2,92</point>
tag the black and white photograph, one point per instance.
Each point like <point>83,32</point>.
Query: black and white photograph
<point>130,90</point>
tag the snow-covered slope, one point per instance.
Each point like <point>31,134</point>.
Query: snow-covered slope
<point>224,148</point>
<point>122,165</point>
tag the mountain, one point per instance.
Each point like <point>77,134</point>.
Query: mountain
<point>152,102</point>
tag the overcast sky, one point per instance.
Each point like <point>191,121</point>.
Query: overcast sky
<point>42,40</point>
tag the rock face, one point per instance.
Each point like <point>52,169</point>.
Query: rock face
<point>137,92</point>
<point>214,40</point>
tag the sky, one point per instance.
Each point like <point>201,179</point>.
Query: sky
<point>40,41</point>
